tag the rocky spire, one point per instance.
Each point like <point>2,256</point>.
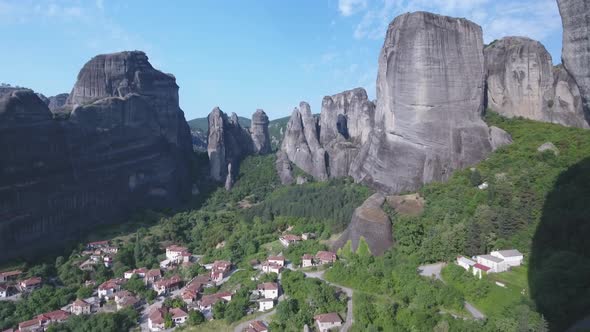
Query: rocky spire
<point>259,132</point>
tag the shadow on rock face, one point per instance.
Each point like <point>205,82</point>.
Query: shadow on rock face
<point>559,271</point>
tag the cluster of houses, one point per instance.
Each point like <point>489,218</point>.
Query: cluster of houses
<point>497,261</point>
<point>11,285</point>
<point>289,239</point>
<point>42,321</point>
<point>99,252</point>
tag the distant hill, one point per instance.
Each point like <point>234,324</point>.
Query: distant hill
<point>276,128</point>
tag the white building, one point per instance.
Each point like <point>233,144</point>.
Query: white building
<point>306,260</point>
<point>179,316</point>
<point>268,290</point>
<point>326,322</point>
<point>465,263</point>
<point>494,263</point>
<point>277,260</point>
<point>265,304</point>
<point>512,257</point>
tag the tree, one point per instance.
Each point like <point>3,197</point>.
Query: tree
<point>219,310</point>
<point>475,178</point>
<point>84,292</point>
<point>234,311</point>
<point>195,318</point>
<point>363,249</point>
<point>168,322</point>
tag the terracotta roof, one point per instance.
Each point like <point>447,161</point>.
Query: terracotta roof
<point>128,301</point>
<point>208,300</point>
<point>177,313</point>
<point>31,281</point>
<point>268,286</point>
<point>176,248</point>
<point>80,303</point>
<point>111,284</point>
<point>202,279</point>
<point>157,315</point>
<point>57,315</point>
<point>331,317</point>
<point>291,237</point>
<point>258,326</point>
<point>168,282</point>
<point>28,323</point>
<point>10,273</point>
<point>481,267</point>
<point>307,256</point>
<point>276,258</point>
<point>325,255</point>
<point>154,273</point>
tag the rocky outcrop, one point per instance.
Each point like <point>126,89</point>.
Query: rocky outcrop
<point>259,132</point>
<point>113,155</point>
<point>575,16</point>
<point>228,143</point>
<point>521,81</point>
<point>428,118</point>
<point>56,102</point>
<point>284,167</point>
<point>371,223</point>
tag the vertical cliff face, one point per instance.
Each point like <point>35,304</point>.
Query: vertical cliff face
<point>56,102</point>
<point>428,118</point>
<point>228,143</point>
<point>521,81</point>
<point>111,156</point>
<point>575,16</point>
<point>429,104</point>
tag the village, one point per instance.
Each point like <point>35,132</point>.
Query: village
<point>190,296</point>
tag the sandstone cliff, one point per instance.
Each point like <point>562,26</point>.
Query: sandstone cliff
<point>575,16</point>
<point>370,222</point>
<point>228,143</point>
<point>428,118</point>
<point>56,102</point>
<point>521,81</point>
<point>117,152</point>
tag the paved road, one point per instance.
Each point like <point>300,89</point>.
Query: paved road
<point>473,311</point>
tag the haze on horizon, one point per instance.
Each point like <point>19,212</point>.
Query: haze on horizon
<point>239,56</point>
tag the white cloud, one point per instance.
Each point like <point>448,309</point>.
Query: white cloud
<point>350,7</point>
<point>536,19</point>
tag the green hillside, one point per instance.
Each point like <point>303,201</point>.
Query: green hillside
<point>536,202</point>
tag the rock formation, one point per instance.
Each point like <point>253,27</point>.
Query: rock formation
<point>575,16</point>
<point>56,102</point>
<point>117,152</point>
<point>521,81</point>
<point>259,132</point>
<point>427,121</point>
<point>370,222</point>
<point>228,143</point>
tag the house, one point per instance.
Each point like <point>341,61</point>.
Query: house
<point>189,295</point>
<point>30,284</point>
<point>496,264</point>
<point>110,250</point>
<point>32,325</point>
<point>220,270</point>
<point>289,239</point>
<point>465,263</point>
<point>208,301</point>
<point>127,301</point>
<point>265,304</point>
<point>108,288</point>
<point>152,276</point>
<point>268,290</point>
<point>156,321</point>
<point>9,275</point>
<point>97,245</point>
<point>108,260</point>
<point>268,267</point>
<point>141,272</point>
<point>4,291</point>
<point>165,264</point>
<point>178,316</point>
<point>177,254</point>
<point>278,260</point>
<point>479,270</point>
<point>307,236</point>
<point>87,265</point>
<point>164,286</point>
<point>512,257</point>
<point>328,321</point>
<point>81,307</point>
<point>257,326</point>
<point>325,257</point>
<point>306,260</point>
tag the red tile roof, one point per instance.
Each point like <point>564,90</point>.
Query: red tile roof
<point>268,286</point>
<point>177,313</point>
<point>98,243</point>
<point>331,317</point>
<point>153,273</point>
<point>80,303</point>
<point>176,248</point>
<point>57,315</point>
<point>276,258</point>
<point>482,267</point>
<point>258,326</point>
<point>306,256</point>
<point>157,315</point>
<point>31,281</point>
<point>28,323</point>
<point>326,256</point>
<point>8,274</point>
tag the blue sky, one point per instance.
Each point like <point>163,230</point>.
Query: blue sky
<point>240,55</point>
